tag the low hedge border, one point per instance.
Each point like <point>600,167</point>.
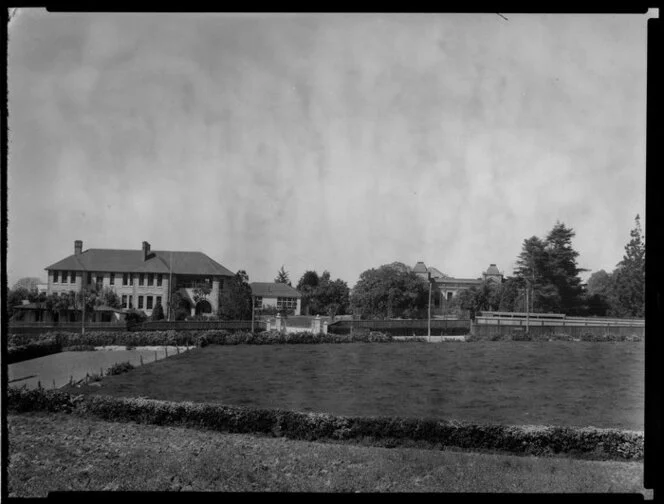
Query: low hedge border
<point>589,442</point>
<point>194,338</point>
<point>586,337</point>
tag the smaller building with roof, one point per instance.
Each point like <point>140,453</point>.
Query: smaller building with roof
<point>446,287</point>
<point>274,294</point>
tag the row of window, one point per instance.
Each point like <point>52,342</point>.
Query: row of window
<point>286,303</point>
<point>148,279</point>
<point>282,302</point>
<point>150,301</point>
<point>63,276</point>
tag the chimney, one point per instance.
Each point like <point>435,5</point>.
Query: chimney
<point>146,250</point>
<point>78,247</point>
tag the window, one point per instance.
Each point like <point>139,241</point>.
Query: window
<point>149,303</point>
<point>158,300</point>
<point>112,280</point>
<point>286,303</point>
<point>159,280</point>
<point>55,276</point>
<point>258,302</point>
<point>131,302</point>
<point>140,302</point>
<point>125,279</point>
<point>63,274</point>
<point>124,301</point>
<point>150,279</point>
<point>89,277</point>
<point>141,279</point>
<point>449,295</point>
<point>72,277</point>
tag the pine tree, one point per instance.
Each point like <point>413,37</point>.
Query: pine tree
<point>562,270</point>
<point>629,277</point>
<point>282,276</point>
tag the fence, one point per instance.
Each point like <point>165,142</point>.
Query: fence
<point>198,325</point>
<point>566,322</point>
<point>419,327</point>
<point>44,327</point>
<point>489,331</point>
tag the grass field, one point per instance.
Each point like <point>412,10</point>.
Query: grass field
<point>58,452</point>
<point>552,383</point>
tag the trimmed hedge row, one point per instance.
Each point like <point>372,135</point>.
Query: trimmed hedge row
<point>587,442</point>
<point>196,338</point>
<point>32,350</point>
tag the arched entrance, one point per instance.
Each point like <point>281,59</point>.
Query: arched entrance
<point>203,307</point>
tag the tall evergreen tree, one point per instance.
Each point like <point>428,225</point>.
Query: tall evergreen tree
<point>629,276</point>
<point>562,270</point>
<point>282,276</point>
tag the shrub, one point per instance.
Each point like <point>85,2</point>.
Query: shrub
<point>520,336</point>
<point>383,431</point>
<point>119,368</point>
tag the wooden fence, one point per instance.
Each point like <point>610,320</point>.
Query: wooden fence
<point>198,325</point>
<point>419,327</point>
<point>44,327</point>
<point>489,331</point>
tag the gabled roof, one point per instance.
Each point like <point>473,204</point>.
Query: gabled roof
<point>273,289</point>
<point>131,261</point>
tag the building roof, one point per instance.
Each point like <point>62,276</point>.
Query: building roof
<point>493,270</point>
<point>420,267</point>
<point>273,289</point>
<point>460,280</point>
<point>131,261</point>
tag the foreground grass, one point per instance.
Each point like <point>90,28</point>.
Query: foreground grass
<point>59,452</point>
<point>526,383</point>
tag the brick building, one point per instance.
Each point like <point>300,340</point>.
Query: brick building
<point>141,278</point>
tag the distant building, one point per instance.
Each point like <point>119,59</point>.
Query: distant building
<point>280,295</point>
<point>446,287</point>
<point>141,278</point>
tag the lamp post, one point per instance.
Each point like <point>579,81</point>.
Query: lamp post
<point>253,311</point>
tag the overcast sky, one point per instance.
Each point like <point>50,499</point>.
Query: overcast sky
<point>338,142</point>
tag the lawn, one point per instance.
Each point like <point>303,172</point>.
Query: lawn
<point>549,383</point>
<point>59,452</point>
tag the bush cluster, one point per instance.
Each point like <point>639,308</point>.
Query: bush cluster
<point>119,368</point>
<point>200,338</point>
<point>32,349</point>
<point>587,442</point>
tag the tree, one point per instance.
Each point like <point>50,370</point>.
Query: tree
<point>236,303</point>
<point>28,283</point>
<point>629,276</point>
<point>392,290</point>
<point>282,276</point>
<point>307,286</point>
<point>108,297</point>
<point>179,306</point>
<point>548,270</point>
<point>562,270</point>
<point>157,312</point>
<point>201,291</point>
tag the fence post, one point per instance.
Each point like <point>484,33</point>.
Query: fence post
<point>141,359</point>
<point>166,350</point>
<point>155,356</point>
<point>39,384</point>
<point>177,350</point>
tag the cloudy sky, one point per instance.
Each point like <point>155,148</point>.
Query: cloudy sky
<point>337,142</point>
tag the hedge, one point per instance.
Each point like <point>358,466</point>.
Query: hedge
<point>589,442</point>
<point>197,338</point>
<point>522,336</point>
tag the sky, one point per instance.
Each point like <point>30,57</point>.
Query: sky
<point>336,142</point>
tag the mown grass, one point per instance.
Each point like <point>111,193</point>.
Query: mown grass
<point>566,384</point>
<point>59,452</point>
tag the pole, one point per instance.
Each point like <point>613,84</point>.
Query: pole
<point>83,310</point>
<point>253,310</point>
<point>429,320</point>
<point>170,284</point>
<point>527,312</point>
